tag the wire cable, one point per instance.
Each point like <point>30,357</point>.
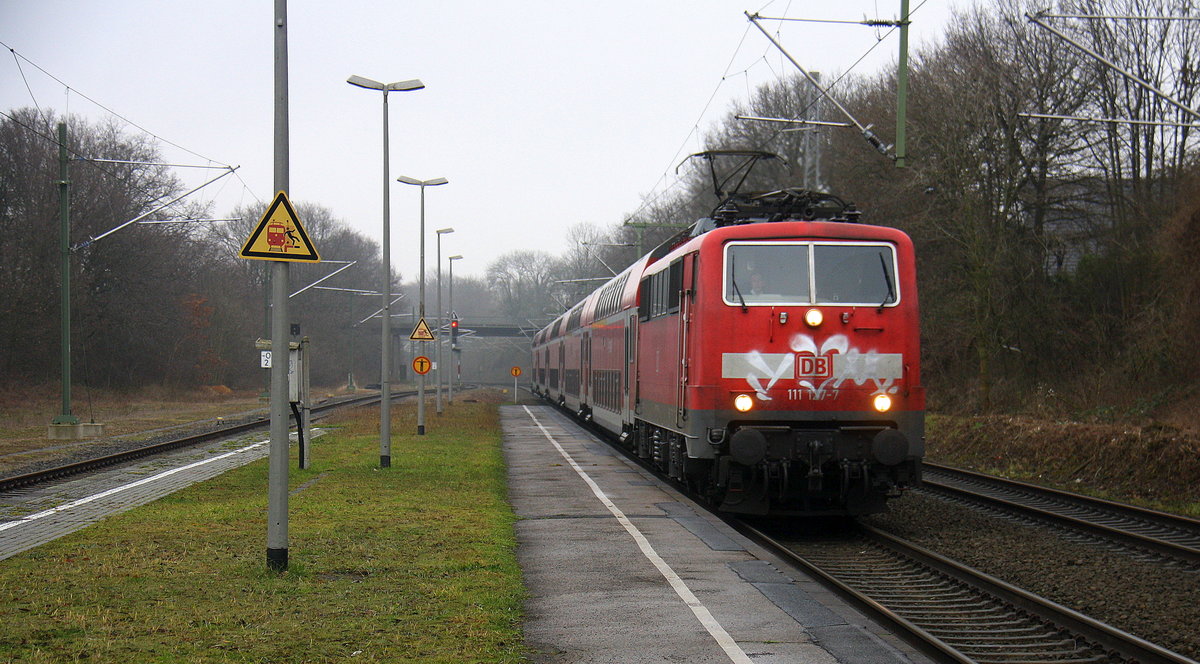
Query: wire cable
<point>102,106</point>
<point>17,60</point>
<point>654,198</point>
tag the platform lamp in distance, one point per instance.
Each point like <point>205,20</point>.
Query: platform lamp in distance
<point>454,367</point>
<point>421,381</point>
<point>385,374</point>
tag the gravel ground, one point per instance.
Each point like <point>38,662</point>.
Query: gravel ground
<point>1159,604</point>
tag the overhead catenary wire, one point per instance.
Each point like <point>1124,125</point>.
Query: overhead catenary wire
<point>99,163</point>
<point>102,106</point>
<point>17,60</point>
<point>17,57</point>
<point>148,163</point>
<point>654,198</point>
<point>693,130</point>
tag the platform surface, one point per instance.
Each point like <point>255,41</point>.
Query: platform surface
<point>621,568</point>
<point>33,516</point>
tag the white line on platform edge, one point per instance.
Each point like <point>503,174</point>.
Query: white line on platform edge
<point>731,648</point>
<point>123,487</point>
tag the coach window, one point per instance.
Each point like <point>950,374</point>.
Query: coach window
<point>660,292</point>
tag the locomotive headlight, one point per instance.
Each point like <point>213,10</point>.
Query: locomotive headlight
<point>882,403</point>
<point>813,317</point>
<point>743,402</point>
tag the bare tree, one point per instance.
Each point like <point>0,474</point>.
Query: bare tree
<point>527,286</point>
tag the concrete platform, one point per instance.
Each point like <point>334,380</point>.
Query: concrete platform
<point>621,568</point>
<point>33,516</point>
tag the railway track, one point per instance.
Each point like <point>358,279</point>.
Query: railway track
<point>948,610</point>
<point>952,612</point>
<point>1168,536</point>
<point>65,470</point>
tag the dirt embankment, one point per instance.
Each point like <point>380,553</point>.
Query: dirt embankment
<point>1156,466</point>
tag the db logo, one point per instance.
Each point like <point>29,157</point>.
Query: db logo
<point>811,366</point>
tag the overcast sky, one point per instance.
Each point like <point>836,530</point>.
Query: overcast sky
<point>542,114</point>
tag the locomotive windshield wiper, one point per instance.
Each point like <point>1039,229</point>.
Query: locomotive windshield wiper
<point>739,293</point>
<point>887,276</point>
<point>733,282</point>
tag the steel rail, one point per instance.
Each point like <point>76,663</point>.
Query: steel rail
<point>907,630</point>
<point>1167,535</point>
<point>937,631</point>
<point>40,476</point>
<point>1122,643</point>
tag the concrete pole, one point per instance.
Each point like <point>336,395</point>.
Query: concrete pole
<point>277,490</point>
<point>421,378</point>
<point>438,339</point>
<point>450,383</point>
<point>385,362</point>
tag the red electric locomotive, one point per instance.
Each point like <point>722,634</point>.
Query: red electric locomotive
<point>768,357</point>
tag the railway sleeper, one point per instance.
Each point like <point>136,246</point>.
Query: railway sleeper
<point>1033,631</point>
<point>1060,645</point>
<point>1077,656</point>
<point>973,638</point>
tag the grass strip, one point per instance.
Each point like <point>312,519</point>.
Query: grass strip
<point>415,563</point>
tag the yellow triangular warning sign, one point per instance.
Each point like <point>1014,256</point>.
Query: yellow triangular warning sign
<point>421,332</point>
<point>279,236</point>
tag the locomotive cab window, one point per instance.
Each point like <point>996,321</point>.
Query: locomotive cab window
<point>859,274</point>
<point>810,273</point>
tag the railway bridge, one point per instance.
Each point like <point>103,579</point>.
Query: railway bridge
<point>483,349</point>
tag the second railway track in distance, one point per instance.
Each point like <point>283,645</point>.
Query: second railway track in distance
<point>1167,536</point>
<point>45,475</point>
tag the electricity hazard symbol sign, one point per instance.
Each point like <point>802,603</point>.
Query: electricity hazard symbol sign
<point>279,236</point>
<point>421,332</point>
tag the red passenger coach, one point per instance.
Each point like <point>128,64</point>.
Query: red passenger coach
<point>768,357</point>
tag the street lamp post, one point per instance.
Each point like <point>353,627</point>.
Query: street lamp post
<point>421,382</point>
<point>440,232</point>
<point>385,372</point>
<point>453,317</point>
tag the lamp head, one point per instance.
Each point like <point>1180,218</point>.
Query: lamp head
<point>422,183</point>
<point>399,86</point>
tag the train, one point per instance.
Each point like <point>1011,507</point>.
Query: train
<point>768,358</point>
